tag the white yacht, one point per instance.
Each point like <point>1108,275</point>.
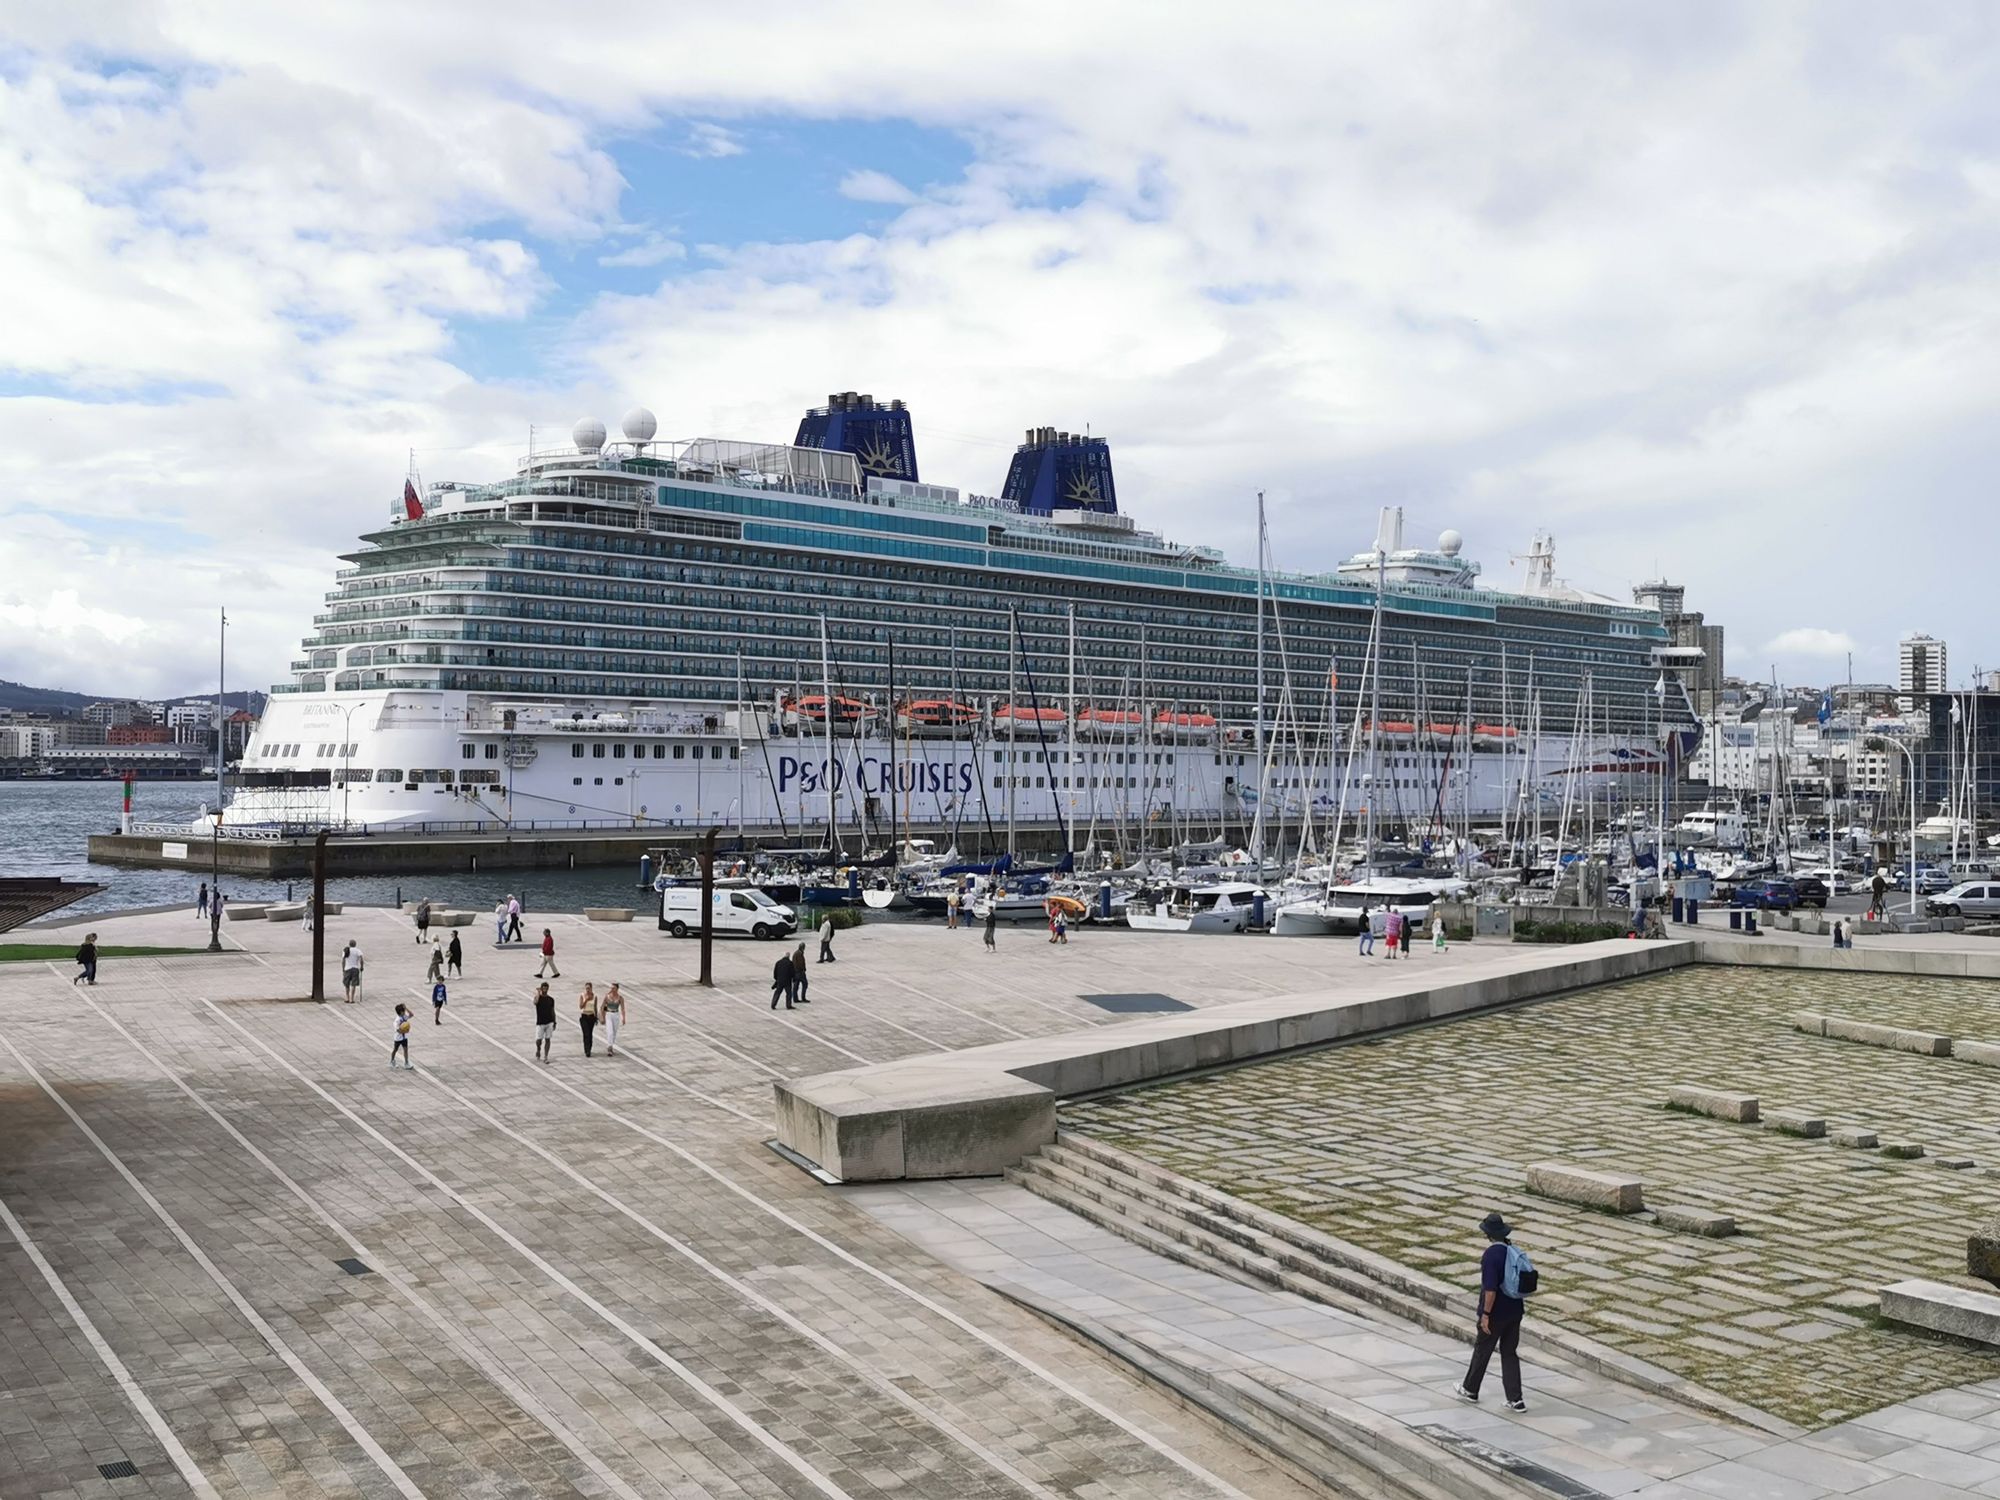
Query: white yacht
<point>1224,907</point>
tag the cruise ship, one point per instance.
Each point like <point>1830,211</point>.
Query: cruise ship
<point>807,642</point>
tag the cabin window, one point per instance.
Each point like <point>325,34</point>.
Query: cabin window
<point>659,752</point>
<point>617,752</point>
<point>697,752</point>
<point>576,750</point>
<point>389,775</point>
<point>492,752</point>
<point>597,781</point>
<point>576,781</point>
<point>467,752</point>
<point>680,752</point>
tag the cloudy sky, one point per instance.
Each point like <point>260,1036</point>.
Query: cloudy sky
<point>1712,289</point>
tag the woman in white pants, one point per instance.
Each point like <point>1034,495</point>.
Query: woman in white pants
<point>611,1013</point>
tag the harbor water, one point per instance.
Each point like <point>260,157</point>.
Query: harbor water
<point>43,826</point>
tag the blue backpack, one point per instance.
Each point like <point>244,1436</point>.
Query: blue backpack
<point>1518,1278</point>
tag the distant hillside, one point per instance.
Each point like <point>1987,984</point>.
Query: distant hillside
<point>55,700</point>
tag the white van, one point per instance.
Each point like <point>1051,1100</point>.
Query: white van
<point>736,911</point>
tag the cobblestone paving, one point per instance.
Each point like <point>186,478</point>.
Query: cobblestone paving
<point>1401,1144</point>
<point>586,1279</point>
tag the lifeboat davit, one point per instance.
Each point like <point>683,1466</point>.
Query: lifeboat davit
<point>1184,726</point>
<point>1109,723</point>
<point>935,716</point>
<point>1393,731</point>
<point>1010,718</point>
<point>811,709</point>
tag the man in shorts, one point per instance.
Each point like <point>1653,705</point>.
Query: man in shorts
<point>545,1023</point>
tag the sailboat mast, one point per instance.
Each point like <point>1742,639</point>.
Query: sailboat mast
<point>895,788</point>
<point>826,709</point>
<point>1013,738</point>
<point>1069,748</point>
<point>739,749</point>
<point>1375,710</point>
<point>1257,819</point>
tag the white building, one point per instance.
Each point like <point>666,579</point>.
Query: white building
<point>25,741</point>
<point>1920,670</point>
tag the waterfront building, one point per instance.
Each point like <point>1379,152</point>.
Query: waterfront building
<point>1920,670</point>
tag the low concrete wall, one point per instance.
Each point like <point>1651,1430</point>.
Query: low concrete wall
<point>1918,962</point>
<point>982,1110</point>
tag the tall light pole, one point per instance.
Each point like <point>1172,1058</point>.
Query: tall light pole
<point>1879,742</point>
<point>215,826</point>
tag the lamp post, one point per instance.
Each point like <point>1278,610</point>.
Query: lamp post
<point>221,751</point>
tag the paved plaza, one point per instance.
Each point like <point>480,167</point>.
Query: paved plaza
<point>1399,1144</point>
<point>243,1257</point>
<point>589,1278</point>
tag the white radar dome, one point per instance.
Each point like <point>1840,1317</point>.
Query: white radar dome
<point>588,435</point>
<point>639,425</point>
<point>1449,543</point>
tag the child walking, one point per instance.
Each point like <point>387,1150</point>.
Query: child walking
<point>402,1043</point>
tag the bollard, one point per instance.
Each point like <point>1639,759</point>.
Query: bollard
<point>645,871</point>
<point>1257,910</point>
<point>1104,901</point>
<point>399,897</point>
<point>1680,909</point>
<point>288,890</point>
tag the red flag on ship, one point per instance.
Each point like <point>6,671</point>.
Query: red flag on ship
<point>413,508</point>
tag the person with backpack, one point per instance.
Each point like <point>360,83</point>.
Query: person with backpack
<point>1507,1278</point>
<point>86,960</point>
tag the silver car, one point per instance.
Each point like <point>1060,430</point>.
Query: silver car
<point>1975,898</point>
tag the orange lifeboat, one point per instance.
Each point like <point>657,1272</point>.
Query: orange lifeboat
<point>1012,717</point>
<point>933,715</point>
<point>1184,726</point>
<point>1393,731</point>
<point>1109,723</point>
<point>811,709</point>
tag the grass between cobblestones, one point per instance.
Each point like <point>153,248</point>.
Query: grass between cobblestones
<point>1403,1143</point>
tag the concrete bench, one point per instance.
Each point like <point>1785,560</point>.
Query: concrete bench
<point>455,918</point>
<point>1986,1054</point>
<point>1715,1103</point>
<point>1943,1308</point>
<point>608,913</point>
<point>1701,1221</point>
<point>1571,1184</point>
<point>1982,1253</point>
<point>246,911</point>
<point>1868,1034</point>
<point>286,912</point>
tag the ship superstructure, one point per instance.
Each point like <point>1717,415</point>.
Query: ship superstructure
<point>783,635</point>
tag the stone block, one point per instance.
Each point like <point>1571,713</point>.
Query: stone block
<point>1860,1140</point>
<point>1794,1122</point>
<point>1811,1022</point>
<point>1700,1221</point>
<point>1942,1308</point>
<point>1868,1034</point>
<point>1902,1150</point>
<point>246,911</point>
<point>1982,1252</point>
<point>1572,1184</point>
<point>1717,1104</point>
<point>608,913</point>
<point>1986,1054</point>
<point>285,912</point>
<point>1954,1163</point>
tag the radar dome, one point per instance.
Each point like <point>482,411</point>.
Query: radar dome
<point>588,435</point>
<point>639,425</point>
<point>1449,543</point>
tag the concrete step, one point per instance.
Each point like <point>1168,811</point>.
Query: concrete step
<point>1270,1259</point>
<point>1265,1248</point>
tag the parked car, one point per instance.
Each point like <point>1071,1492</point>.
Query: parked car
<point>1765,895</point>
<point>1839,882</point>
<point>1810,890</point>
<point>1930,882</point>
<point>1976,898</point>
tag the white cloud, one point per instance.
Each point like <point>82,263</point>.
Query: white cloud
<point>650,250</point>
<point>1704,289</point>
<point>705,138</point>
<point>869,186</point>
<point>1811,640</point>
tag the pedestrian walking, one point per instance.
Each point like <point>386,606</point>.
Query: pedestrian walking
<point>86,960</point>
<point>201,901</point>
<point>454,958</point>
<point>548,957</point>
<point>402,1043</point>
<point>218,900</point>
<point>992,919</point>
<point>311,912</point>
<point>1506,1279</point>
<point>437,962</point>
<point>437,1003</point>
<point>951,902</point>
<point>586,1014</point>
<point>1878,892</point>
<point>826,938</point>
<point>1052,914</point>
<point>423,920</point>
<point>500,923</point>
<point>612,1012</point>
<point>545,1024</point>
<point>1437,931</point>
<point>1392,931</point>
<point>513,919</point>
<point>351,964</point>
<point>781,981</point>
<point>799,979</point>
<point>1366,947</point>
